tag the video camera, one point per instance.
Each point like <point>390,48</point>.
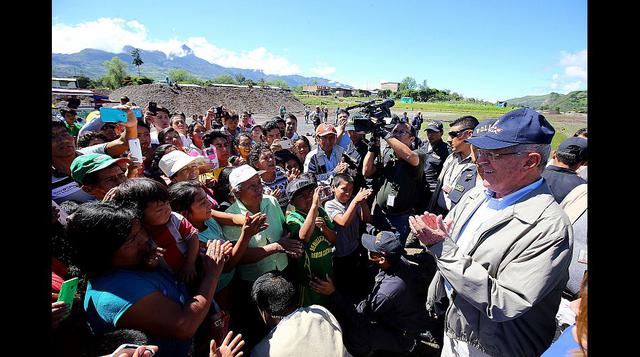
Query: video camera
<point>373,118</point>
<point>218,112</point>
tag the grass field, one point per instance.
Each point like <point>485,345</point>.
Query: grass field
<point>443,111</point>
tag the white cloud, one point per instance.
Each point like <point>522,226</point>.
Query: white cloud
<point>112,34</point>
<point>570,87</point>
<point>573,72</point>
<point>322,70</point>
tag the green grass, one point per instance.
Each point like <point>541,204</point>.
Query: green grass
<point>445,107</point>
<point>453,109</point>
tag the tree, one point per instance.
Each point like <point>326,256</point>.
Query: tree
<point>239,78</point>
<point>278,83</point>
<point>178,75</point>
<point>262,83</point>
<point>137,61</point>
<point>83,81</point>
<point>116,71</point>
<point>424,85</point>
<point>408,83</point>
<point>384,93</point>
<point>223,79</point>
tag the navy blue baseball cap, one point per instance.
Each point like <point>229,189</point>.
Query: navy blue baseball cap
<point>520,126</point>
<point>383,242</point>
<point>483,127</point>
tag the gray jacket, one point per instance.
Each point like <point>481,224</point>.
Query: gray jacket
<point>507,287</point>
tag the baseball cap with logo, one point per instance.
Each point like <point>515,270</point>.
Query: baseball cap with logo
<point>483,127</point>
<point>574,146</point>
<point>435,125</point>
<point>383,242</point>
<point>241,174</point>
<point>89,163</point>
<point>520,126</point>
<point>174,161</point>
<point>298,185</point>
<point>325,129</point>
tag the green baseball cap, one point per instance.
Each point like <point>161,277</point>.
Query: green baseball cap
<point>88,163</point>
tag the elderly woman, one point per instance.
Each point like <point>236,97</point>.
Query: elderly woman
<point>128,289</point>
<point>267,250</point>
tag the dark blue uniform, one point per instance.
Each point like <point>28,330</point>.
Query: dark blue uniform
<point>561,181</point>
<point>388,319</point>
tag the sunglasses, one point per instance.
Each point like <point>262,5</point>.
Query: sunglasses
<point>457,133</point>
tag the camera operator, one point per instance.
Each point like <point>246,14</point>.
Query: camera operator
<point>401,167</point>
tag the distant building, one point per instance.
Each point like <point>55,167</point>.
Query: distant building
<point>362,93</point>
<point>64,83</point>
<point>343,92</point>
<point>393,86</point>
<point>316,90</point>
<point>501,104</point>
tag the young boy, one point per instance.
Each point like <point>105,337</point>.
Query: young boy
<point>347,214</point>
<point>309,222</point>
<point>168,229</point>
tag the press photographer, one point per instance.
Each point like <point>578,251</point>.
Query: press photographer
<point>400,166</point>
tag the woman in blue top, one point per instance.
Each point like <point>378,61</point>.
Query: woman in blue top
<point>128,288</point>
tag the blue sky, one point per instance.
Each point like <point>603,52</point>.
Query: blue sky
<point>491,50</point>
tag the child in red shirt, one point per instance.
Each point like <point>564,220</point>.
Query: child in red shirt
<point>169,230</point>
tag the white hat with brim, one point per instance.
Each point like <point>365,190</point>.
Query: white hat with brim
<point>174,162</point>
<point>241,174</point>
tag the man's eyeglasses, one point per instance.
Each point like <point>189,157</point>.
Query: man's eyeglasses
<point>493,155</point>
<point>456,133</point>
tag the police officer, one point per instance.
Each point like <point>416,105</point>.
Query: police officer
<point>458,173</point>
<point>391,317</point>
<point>437,152</point>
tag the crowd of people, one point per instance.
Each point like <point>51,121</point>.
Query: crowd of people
<point>229,237</point>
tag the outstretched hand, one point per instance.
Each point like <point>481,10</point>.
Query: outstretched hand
<point>228,348</point>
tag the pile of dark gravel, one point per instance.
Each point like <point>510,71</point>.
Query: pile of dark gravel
<point>196,100</point>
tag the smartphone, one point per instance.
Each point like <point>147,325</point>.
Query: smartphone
<point>128,348</point>
<point>212,155</point>
<point>112,115</point>
<point>285,143</point>
<point>68,291</point>
<point>135,149</point>
<point>325,193</point>
<point>153,107</point>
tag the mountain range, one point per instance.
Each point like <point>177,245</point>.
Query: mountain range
<point>157,64</point>
<point>575,101</point>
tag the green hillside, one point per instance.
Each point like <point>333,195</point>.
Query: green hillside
<point>572,102</point>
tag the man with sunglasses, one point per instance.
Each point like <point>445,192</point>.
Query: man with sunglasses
<point>504,250</point>
<point>458,173</point>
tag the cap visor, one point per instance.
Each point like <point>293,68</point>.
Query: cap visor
<point>485,142</point>
<point>107,164</point>
<point>368,242</point>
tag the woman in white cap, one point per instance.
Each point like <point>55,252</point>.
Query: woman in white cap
<point>266,251</point>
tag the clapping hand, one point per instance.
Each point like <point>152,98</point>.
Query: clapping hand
<point>429,228</point>
<point>362,195</point>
